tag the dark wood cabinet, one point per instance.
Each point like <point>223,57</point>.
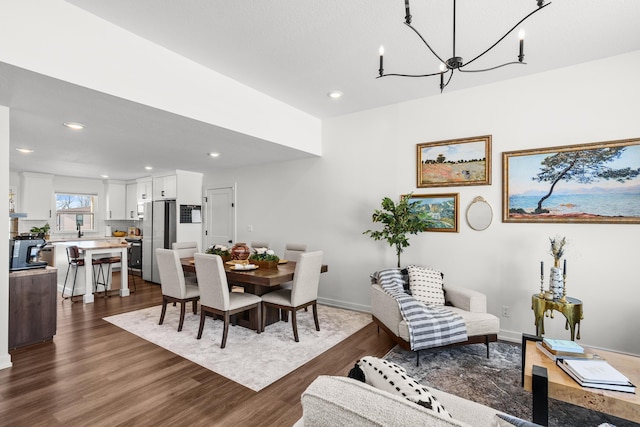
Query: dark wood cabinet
<point>32,306</point>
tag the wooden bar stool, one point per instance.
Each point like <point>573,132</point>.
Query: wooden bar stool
<point>106,261</point>
<point>75,262</point>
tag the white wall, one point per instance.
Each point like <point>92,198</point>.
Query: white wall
<point>327,202</point>
<point>5,358</point>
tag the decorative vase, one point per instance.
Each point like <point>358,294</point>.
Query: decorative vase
<point>240,251</point>
<point>556,282</point>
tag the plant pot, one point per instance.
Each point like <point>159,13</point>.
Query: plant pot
<point>264,264</point>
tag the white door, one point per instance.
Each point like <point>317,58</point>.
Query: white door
<point>220,216</point>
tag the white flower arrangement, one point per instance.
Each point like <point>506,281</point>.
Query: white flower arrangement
<point>557,248</point>
<point>218,250</point>
<point>263,254</point>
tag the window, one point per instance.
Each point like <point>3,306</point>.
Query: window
<point>73,210</point>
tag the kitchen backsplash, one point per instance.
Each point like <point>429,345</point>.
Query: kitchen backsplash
<point>24,226</point>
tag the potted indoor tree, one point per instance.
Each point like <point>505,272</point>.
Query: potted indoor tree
<point>399,220</point>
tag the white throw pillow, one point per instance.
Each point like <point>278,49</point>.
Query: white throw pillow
<point>426,285</point>
<point>393,378</point>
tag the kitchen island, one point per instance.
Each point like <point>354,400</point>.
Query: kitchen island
<point>89,248</point>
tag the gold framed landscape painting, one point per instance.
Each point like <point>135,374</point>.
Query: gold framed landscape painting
<point>441,210</point>
<point>585,183</point>
<point>465,161</point>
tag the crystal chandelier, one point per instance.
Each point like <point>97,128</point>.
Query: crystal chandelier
<point>456,62</point>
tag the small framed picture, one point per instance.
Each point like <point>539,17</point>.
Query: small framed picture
<point>465,161</point>
<point>585,183</point>
<point>441,210</point>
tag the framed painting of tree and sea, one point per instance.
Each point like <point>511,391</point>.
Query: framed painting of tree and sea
<point>586,183</point>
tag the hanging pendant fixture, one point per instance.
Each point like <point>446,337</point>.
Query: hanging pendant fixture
<point>448,66</point>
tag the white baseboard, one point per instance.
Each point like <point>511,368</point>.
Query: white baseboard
<point>510,336</point>
<point>5,361</point>
<point>345,305</point>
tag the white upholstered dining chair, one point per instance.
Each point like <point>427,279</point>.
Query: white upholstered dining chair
<point>293,250</point>
<point>187,250</point>
<point>174,287</point>
<point>303,293</point>
<point>259,245</point>
<point>215,297</point>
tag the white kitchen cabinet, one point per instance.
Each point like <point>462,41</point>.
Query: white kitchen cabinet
<point>37,199</point>
<point>144,186</point>
<point>132,201</point>
<point>116,206</point>
<point>164,187</point>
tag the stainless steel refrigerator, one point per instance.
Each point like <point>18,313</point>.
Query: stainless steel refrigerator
<point>159,231</point>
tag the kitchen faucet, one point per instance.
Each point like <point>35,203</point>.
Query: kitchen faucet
<point>79,232</point>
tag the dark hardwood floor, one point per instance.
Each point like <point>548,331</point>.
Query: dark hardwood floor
<point>96,374</point>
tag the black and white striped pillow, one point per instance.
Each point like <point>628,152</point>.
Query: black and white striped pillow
<point>426,285</point>
<point>393,378</point>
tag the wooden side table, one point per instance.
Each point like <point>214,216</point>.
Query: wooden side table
<point>571,309</point>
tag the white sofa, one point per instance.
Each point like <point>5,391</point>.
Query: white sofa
<point>482,327</point>
<point>342,401</point>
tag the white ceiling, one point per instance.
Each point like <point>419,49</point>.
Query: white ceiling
<point>295,51</point>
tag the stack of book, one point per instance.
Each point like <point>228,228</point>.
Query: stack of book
<point>596,373</point>
<point>562,349</point>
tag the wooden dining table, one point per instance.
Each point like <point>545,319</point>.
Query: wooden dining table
<point>258,282</point>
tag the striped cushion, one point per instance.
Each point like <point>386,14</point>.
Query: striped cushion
<point>426,285</point>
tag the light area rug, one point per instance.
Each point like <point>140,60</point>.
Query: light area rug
<point>251,359</point>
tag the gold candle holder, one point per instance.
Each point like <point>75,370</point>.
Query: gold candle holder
<point>542,286</point>
<point>564,288</point>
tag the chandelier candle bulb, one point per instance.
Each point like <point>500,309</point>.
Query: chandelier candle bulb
<point>521,37</point>
<point>381,51</point>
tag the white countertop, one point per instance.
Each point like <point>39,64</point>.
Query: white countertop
<point>56,239</point>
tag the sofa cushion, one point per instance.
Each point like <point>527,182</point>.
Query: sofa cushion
<point>504,420</point>
<point>426,285</point>
<point>340,401</point>
<point>390,377</point>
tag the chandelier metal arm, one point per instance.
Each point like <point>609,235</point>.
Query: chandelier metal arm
<point>425,42</point>
<point>492,68</point>
<point>409,75</point>
<point>442,84</point>
<point>506,34</point>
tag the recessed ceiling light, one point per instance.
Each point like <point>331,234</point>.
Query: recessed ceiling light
<point>104,176</point>
<point>24,150</point>
<point>148,168</point>
<point>336,94</point>
<point>213,154</point>
<point>74,125</point>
